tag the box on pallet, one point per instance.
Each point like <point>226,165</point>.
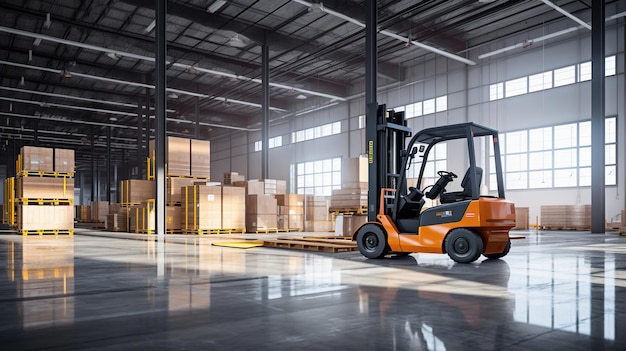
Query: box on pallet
<point>136,190</point>
<point>352,222</point>
<point>37,158</point>
<point>175,186</point>
<point>233,207</point>
<point>200,158</point>
<point>99,211</point>
<point>117,222</point>
<point>203,208</point>
<point>264,186</point>
<point>44,188</point>
<point>63,160</point>
<point>45,217</point>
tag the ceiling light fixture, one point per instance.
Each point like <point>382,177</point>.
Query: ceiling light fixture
<point>112,55</point>
<point>301,97</point>
<point>22,82</point>
<point>150,27</point>
<point>65,74</point>
<point>30,55</point>
<point>113,119</point>
<point>37,42</point>
<point>236,42</point>
<point>191,70</point>
<point>216,6</point>
<point>172,96</point>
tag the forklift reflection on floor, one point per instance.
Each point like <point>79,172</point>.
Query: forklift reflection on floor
<point>430,319</point>
<point>464,225</point>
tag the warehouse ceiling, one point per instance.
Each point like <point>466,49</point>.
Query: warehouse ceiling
<point>71,68</point>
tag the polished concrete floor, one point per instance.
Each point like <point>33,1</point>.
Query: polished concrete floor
<point>554,291</point>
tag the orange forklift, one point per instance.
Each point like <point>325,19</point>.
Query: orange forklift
<point>464,224</point>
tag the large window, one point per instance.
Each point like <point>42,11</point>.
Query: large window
<point>554,157</point>
<point>437,161</point>
<point>548,79</point>
<point>316,132</point>
<point>318,177</point>
<point>273,142</point>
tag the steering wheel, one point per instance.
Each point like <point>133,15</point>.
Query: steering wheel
<point>446,174</point>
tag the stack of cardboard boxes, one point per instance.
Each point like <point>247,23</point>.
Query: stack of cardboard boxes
<point>566,216</point>
<point>45,190</point>
<point>213,208</point>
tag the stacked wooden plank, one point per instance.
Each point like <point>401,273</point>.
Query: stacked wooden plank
<point>566,217</point>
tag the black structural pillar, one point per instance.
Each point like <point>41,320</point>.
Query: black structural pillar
<point>371,103</point>
<point>94,176</point>
<point>139,136</point>
<point>160,130</point>
<point>197,108</point>
<point>108,161</point>
<point>265,152</point>
<point>597,118</point>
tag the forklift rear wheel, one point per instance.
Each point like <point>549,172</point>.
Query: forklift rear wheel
<point>463,245</point>
<point>502,254</point>
<point>371,241</point>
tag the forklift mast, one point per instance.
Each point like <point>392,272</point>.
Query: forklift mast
<point>385,155</point>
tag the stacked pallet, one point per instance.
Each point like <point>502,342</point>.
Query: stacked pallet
<point>44,189</point>
<point>574,217</point>
<point>134,191</point>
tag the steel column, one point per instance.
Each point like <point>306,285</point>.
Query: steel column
<point>197,110</point>
<point>93,168</point>
<point>598,205</point>
<point>265,77</point>
<point>371,103</point>
<point>108,165</point>
<point>139,135</point>
<point>160,130</point>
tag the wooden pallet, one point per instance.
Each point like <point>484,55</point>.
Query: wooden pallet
<point>358,210</point>
<point>25,232</point>
<point>580,228</point>
<point>214,231</point>
<point>312,244</point>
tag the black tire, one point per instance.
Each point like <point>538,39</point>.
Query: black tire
<point>500,255</point>
<point>463,245</point>
<point>372,241</point>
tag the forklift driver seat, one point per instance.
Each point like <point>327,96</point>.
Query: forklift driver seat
<point>466,183</point>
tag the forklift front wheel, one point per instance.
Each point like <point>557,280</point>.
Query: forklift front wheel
<point>463,245</point>
<point>371,241</point>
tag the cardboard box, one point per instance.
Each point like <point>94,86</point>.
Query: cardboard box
<point>37,158</point>
<point>317,226</point>
<point>174,188</point>
<point>203,210</point>
<point>44,188</point>
<point>200,158</point>
<point>136,190</point>
<point>352,222</point>
<point>45,217</point>
<point>295,221</point>
<point>64,160</point>
<point>260,222</point>
<point>261,204</point>
<point>231,177</point>
<point>117,222</point>
<point>521,218</point>
<point>99,211</point>
<point>233,207</point>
